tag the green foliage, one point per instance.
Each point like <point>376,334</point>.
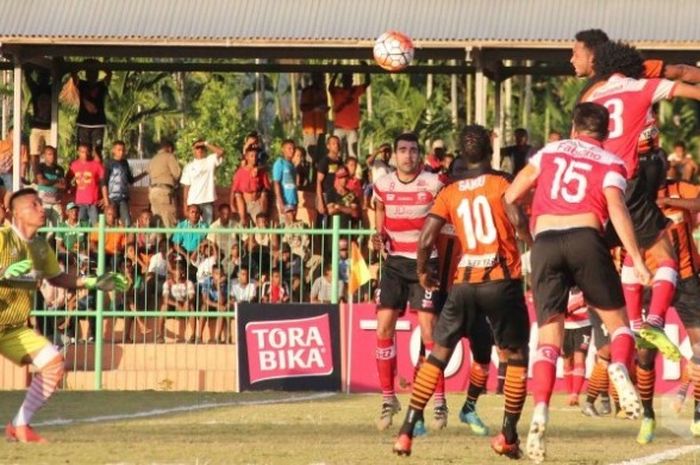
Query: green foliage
<point>679,122</point>
<point>400,105</point>
<point>218,116</point>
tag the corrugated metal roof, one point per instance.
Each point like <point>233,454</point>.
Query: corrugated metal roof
<point>344,22</point>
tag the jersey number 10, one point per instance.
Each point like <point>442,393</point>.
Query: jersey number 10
<point>477,220</point>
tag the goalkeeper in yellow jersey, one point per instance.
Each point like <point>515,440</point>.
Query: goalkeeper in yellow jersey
<point>26,258</point>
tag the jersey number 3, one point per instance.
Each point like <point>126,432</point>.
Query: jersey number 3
<point>569,181</point>
<point>615,107</point>
<point>477,220</point>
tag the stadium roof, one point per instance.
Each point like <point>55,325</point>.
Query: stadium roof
<point>463,30</point>
<point>345,23</point>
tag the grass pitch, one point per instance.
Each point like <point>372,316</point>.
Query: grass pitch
<point>335,430</point>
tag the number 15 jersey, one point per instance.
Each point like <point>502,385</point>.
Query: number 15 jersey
<point>474,206</point>
<point>572,175</point>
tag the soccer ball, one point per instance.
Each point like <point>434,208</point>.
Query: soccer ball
<point>393,51</point>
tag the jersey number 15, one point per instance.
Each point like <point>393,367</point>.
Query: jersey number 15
<point>570,180</point>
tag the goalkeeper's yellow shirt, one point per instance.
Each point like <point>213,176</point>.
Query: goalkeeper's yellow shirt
<point>17,294</point>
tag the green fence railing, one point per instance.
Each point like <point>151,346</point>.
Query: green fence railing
<point>329,238</point>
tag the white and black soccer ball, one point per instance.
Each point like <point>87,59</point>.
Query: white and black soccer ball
<point>393,51</point>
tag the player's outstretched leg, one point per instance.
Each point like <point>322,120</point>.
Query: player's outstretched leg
<point>663,289</point>
<point>515,389</point>
<point>621,350</point>
<point>544,376</point>
<point>423,388</point>
<point>50,366</point>
<point>478,376</point>
<point>646,376</point>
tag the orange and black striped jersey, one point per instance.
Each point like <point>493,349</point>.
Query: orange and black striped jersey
<point>474,206</point>
<point>681,230</point>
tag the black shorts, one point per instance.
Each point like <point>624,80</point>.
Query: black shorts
<point>576,340</point>
<point>601,337</point>
<point>573,257</point>
<point>647,218</point>
<point>480,336</point>
<point>501,302</point>
<point>399,285</point>
<point>687,302</point>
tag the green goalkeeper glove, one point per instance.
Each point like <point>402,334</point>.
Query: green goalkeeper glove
<point>106,282</point>
<point>18,269</point>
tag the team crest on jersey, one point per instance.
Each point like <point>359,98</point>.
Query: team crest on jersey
<point>390,197</point>
<point>422,196</point>
<point>421,183</point>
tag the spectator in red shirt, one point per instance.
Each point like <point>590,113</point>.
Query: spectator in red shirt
<point>433,160</point>
<point>87,174</point>
<point>346,108</point>
<point>354,183</point>
<point>250,187</point>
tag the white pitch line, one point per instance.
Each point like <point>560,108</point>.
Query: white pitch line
<point>660,456</point>
<point>183,408</point>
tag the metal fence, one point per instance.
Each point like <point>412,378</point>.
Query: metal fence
<point>185,283</point>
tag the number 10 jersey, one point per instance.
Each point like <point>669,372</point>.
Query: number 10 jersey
<point>474,206</point>
<point>572,175</point>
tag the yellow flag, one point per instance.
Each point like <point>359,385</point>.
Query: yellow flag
<point>359,273</point>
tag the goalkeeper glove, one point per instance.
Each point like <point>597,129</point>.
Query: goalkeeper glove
<point>17,269</point>
<point>106,282</point>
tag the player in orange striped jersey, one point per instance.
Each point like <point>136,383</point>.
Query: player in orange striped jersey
<point>488,281</point>
<point>678,200</point>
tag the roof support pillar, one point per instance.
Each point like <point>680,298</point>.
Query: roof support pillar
<point>480,94</point>
<point>17,124</point>
<point>56,77</point>
<point>454,96</point>
<point>497,125</point>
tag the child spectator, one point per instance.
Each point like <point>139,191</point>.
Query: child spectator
<point>283,178</point>
<point>51,184</point>
<point>342,202</point>
<point>215,299</point>
<point>187,242</point>
<point>242,289</point>
<point>222,240</point>
<point>87,174</point>
<point>275,291</point>
<point>354,183</point>
<point>204,259</point>
<point>301,168</point>
<point>117,180</point>
<point>115,242</point>
<point>178,295</point>
<point>72,243</point>
<point>322,287</point>
<point>250,187</point>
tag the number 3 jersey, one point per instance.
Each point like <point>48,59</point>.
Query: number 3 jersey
<point>474,206</point>
<point>571,177</point>
<point>629,102</point>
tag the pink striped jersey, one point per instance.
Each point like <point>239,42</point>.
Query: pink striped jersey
<point>406,205</point>
<point>629,102</point>
<point>576,312</point>
<point>572,175</point>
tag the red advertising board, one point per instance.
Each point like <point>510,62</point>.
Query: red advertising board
<point>362,372</point>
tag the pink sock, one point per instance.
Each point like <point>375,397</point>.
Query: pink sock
<point>622,346</point>
<point>578,375</point>
<point>544,372</point>
<point>632,289</point>
<point>663,289</point>
<point>386,366</point>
